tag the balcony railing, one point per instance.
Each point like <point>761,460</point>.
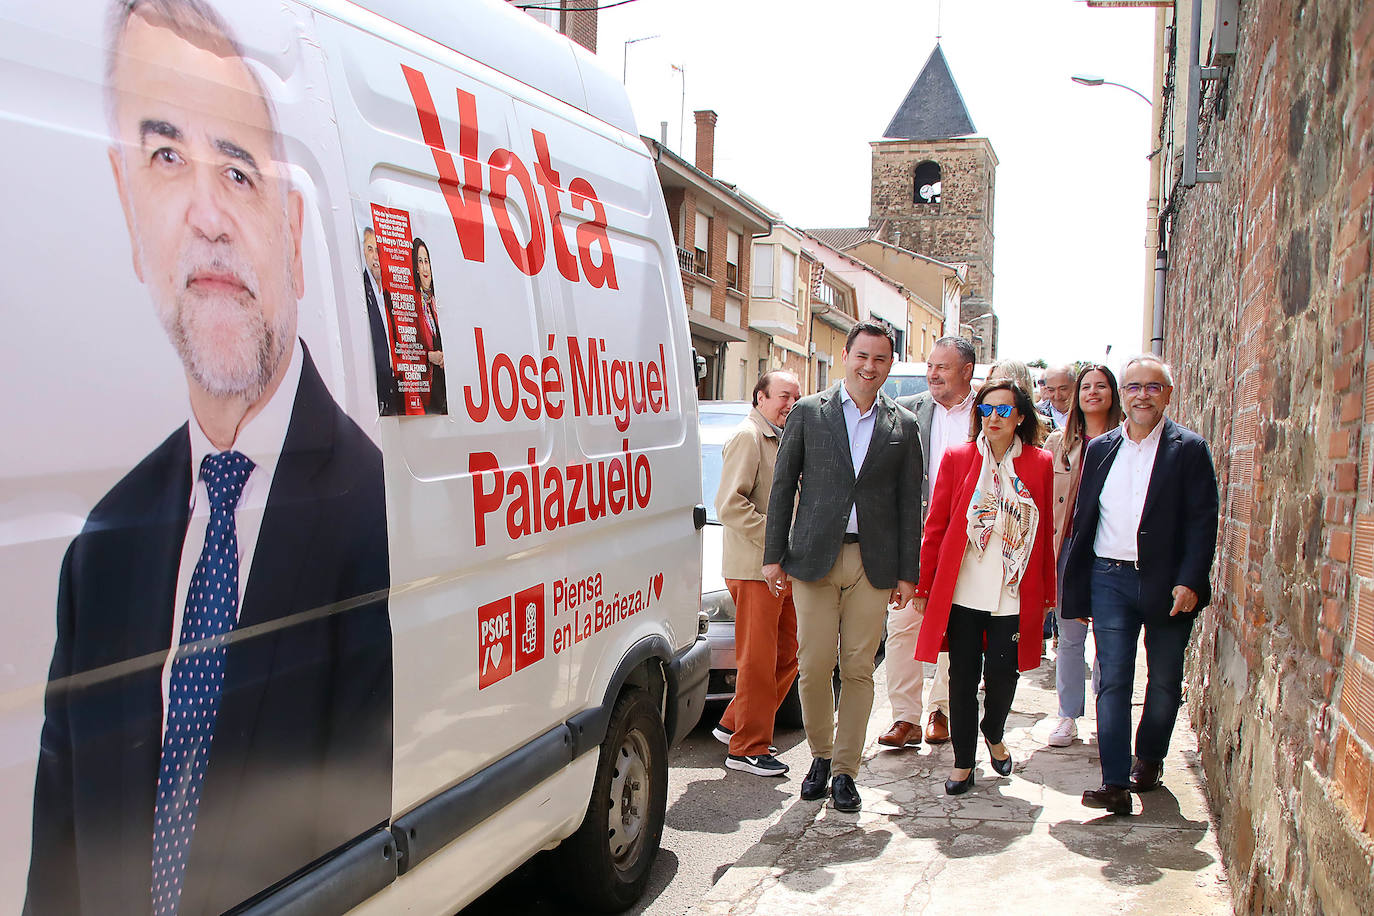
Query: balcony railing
<point>684,259</point>
<point>732,275</point>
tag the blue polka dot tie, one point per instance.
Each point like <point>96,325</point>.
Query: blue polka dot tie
<point>212,603</point>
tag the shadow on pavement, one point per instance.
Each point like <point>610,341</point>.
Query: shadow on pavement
<point>1135,850</point>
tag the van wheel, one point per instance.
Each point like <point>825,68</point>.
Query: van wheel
<point>606,862</point>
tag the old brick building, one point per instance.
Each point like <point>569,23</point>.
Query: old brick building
<point>574,18</point>
<point>1266,317</point>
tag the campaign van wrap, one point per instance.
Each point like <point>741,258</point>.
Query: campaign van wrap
<point>379,360</point>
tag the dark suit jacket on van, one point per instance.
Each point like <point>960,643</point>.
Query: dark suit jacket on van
<point>300,763</point>
<point>814,455</point>
<point>1178,527</point>
<point>390,402</point>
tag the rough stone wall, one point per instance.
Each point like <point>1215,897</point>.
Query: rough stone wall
<point>1268,311</point>
<point>959,227</point>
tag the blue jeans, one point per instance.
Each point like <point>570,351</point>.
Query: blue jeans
<point>1117,621</point>
<point>1070,668</point>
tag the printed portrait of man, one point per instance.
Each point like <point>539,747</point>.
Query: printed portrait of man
<point>219,708</point>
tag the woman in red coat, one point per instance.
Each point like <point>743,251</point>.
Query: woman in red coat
<point>987,570</point>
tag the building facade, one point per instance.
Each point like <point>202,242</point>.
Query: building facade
<point>1264,227</point>
<point>714,227</point>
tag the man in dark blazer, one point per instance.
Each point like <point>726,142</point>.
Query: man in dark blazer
<point>390,401</point>
<point>218,713</point>
<point>1144,535</point>
<point>852,547</point>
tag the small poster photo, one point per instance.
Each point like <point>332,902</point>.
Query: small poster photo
<point>403,312</point>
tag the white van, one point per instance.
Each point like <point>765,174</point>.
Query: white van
<point>349,522</point>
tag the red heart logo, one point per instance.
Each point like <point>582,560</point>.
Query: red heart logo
<point>658,585</point>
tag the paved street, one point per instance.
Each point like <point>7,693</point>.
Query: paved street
<point>737,844</point>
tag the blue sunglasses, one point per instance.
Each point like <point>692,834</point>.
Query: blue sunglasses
<point>1003,410</point>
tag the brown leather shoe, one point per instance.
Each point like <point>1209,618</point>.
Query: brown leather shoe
<point>1116,799</point>
<point>902,734</point>
<point>1147,775</point>
<point>937,729</point>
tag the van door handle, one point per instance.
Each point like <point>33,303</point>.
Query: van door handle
<point>699,516</point>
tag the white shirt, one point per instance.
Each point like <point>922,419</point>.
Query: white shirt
<point>261,439</point>
<point>860,428</point>
<point>948,427</point>
<point>1123,495</point>
<point>1061,419</point>
<point>979,585</point>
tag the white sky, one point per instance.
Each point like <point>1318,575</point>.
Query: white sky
<point>802,86</point>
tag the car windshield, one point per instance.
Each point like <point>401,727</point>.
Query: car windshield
<point>905,385</point>
<point>710,477</point>
<point>720,418</point>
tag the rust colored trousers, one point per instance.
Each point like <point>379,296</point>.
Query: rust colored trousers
<point>766,662</point>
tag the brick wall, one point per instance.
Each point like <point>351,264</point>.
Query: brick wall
<point>579,22</point>
<point>1267,324</point>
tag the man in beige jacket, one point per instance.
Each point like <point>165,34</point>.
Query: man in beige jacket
<point>765,624</point>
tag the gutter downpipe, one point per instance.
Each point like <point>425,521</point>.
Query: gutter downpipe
<point>1161,271</point>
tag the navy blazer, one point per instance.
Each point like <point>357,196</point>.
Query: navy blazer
<point>300,763</point>
<point>390,401</point>
<point>1178,527</point>
<point>814,457</point>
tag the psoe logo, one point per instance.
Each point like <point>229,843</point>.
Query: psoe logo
<point>510,635</point>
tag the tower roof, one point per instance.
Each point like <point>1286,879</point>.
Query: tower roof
<point>933,108</point>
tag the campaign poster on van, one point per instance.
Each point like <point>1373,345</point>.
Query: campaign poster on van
<point>403,310</point>
<point>202,477</point>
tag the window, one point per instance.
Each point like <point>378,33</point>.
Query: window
<point>733,241</point>
<point>822,374</point>
<point>763,366</point>
<point>762,287</point>
<point>787,273</point>
<point>701,260</point>
<point>926,188</point>
<point>900,352</point>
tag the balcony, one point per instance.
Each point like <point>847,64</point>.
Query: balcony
<point>684,259</point>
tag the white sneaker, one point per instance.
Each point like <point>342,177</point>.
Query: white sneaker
<point>1063,733</point>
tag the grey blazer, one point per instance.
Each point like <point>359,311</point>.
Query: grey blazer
<point>923,406</point>
<point>814,456</point>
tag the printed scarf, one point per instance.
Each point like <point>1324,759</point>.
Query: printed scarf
<point>1001,495</point>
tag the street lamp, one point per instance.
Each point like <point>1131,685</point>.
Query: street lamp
<point>1084,79</point>
<point>625,57</point>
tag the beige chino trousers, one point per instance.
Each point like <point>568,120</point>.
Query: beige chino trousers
<point>839,617</point>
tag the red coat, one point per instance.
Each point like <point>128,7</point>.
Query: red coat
<point>946,538</point>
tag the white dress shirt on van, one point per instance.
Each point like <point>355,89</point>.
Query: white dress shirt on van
<point>1123,496</point>
<point>860,427</point>
<point>261,439</point>
<point>948,427</point>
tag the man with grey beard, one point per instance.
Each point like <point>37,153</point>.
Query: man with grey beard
<point>218,711</point>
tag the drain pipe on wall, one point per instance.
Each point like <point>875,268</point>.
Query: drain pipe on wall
<point>1161,271</point>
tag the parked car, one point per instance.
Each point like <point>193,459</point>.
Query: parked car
<point>718,420</point>
<point>910,378</point>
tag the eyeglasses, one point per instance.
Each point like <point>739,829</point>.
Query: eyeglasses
<point>1003,410</point>
<point>1153,389</point>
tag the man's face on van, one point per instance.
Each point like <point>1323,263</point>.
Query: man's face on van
<point>216,232</point>
<point>374,260</point>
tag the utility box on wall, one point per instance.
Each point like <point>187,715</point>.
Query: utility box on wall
<point>1221,51</point>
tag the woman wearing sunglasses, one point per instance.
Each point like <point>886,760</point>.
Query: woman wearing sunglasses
<point>1096,409</point>
<point>987,570</point>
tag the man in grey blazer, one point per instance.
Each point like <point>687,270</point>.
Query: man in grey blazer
<point>852,548</point>
<point>942,415</point>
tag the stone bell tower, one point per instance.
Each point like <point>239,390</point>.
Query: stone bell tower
<point>933,190</point>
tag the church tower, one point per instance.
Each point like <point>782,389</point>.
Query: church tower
<point>933,190</point>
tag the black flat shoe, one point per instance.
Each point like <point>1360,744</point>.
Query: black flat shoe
<point>1147,775</point>
<point>844,795</point>
<point>816,785</point>
<point>959,786</point>
<point>1003,766</point>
